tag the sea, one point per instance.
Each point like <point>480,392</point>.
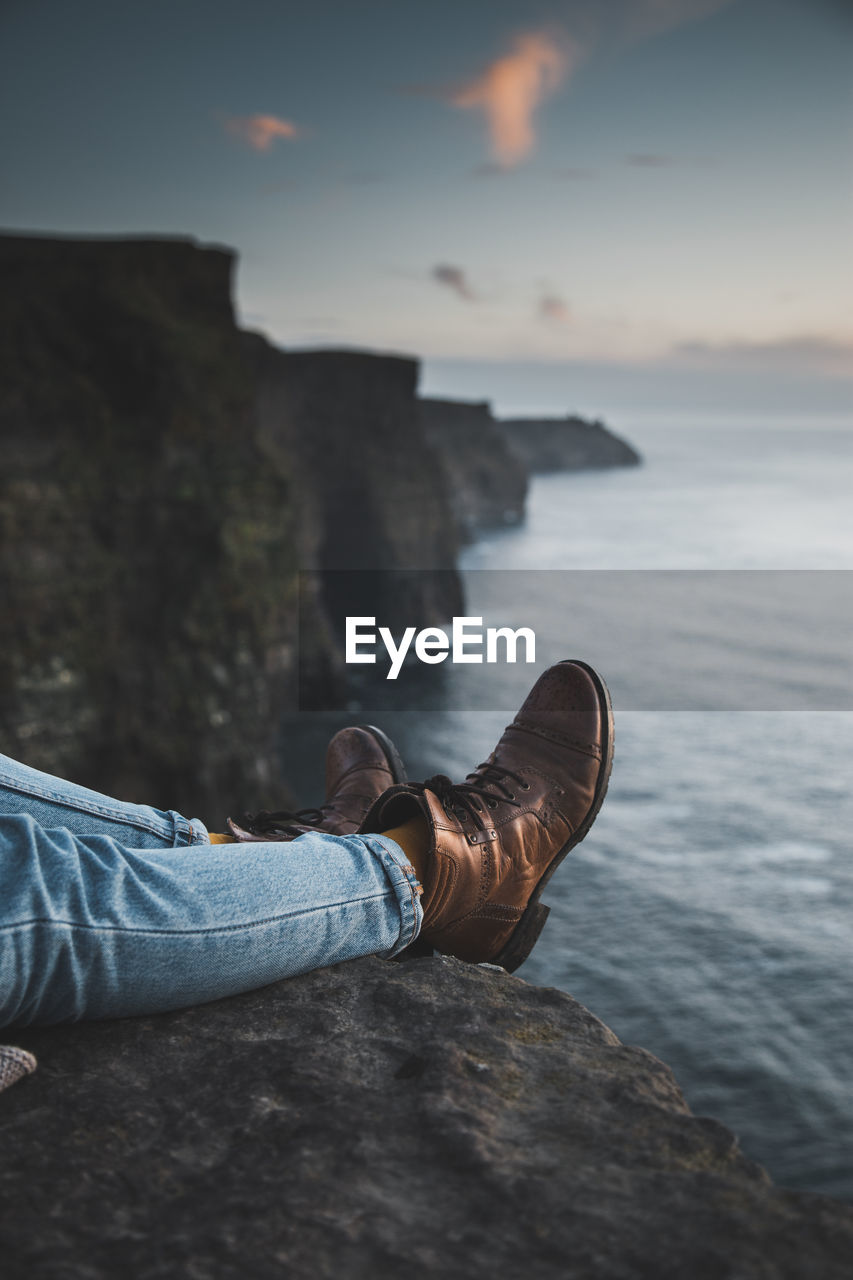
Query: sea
<point>708,915</point>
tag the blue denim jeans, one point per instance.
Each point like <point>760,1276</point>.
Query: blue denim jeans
<point>109,909</point>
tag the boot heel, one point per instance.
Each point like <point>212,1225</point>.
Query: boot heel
<point>524,939</point>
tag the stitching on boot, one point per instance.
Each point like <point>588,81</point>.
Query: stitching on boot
<point>587,748</point>
<point>496,911</point>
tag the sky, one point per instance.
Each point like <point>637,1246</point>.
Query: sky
<point>555,203</point>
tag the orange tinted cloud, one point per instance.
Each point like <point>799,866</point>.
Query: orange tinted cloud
<point>512,87</point>
<point>260,132</point>
<point>554,309</point>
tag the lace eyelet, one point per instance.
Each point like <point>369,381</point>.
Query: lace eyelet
<point>510,795</point>
<point>525,786</point>
<point>493,804</point>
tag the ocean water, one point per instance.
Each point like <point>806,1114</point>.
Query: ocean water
<point>708,916</point>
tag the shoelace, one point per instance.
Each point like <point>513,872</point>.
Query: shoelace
<point>462,798</point>
<point>283,820</point>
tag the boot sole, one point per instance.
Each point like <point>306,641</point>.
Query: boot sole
<point>392,755</point>
<point>527,931</point>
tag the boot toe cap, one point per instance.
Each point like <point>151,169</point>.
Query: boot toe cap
<point>569,693</point>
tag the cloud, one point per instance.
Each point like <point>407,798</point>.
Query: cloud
<point>512,87</point>
<point>650,160</point>
<point>800,353</point>
<point>653,17</point>
<point>454,278</point>
<point>260,132</point>
<point>554,310</point>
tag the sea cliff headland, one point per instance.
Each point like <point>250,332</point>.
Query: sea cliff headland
<point>166,476</point>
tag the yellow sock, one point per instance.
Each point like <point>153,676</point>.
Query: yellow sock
<point>216,838</point>
<point>413,839</point>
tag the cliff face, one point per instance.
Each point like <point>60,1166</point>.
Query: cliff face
<point>164,477</point>
<point>372,490</point>
<point>486,481</point>
<point>374,523</point>
<point>374,531</point>
<point>376,1118</point>
<point>566,444</point>
<point>147,552</point>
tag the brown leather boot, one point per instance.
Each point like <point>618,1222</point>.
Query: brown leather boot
<point>498,837</point>
<point>361,763</point>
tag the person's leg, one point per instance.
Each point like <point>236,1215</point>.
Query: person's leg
<point>53,802</point>
<point>92,928</point>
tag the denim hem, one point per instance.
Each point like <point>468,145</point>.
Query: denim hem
<point>404,881</point>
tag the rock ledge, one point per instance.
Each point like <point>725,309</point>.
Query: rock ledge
<point>374,1119</point>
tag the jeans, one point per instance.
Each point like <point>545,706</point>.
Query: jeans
<point>109,909</point>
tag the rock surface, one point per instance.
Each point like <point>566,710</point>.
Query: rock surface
<point>566,444</point>
<point>486,481</point>
<point>377,1119</point>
